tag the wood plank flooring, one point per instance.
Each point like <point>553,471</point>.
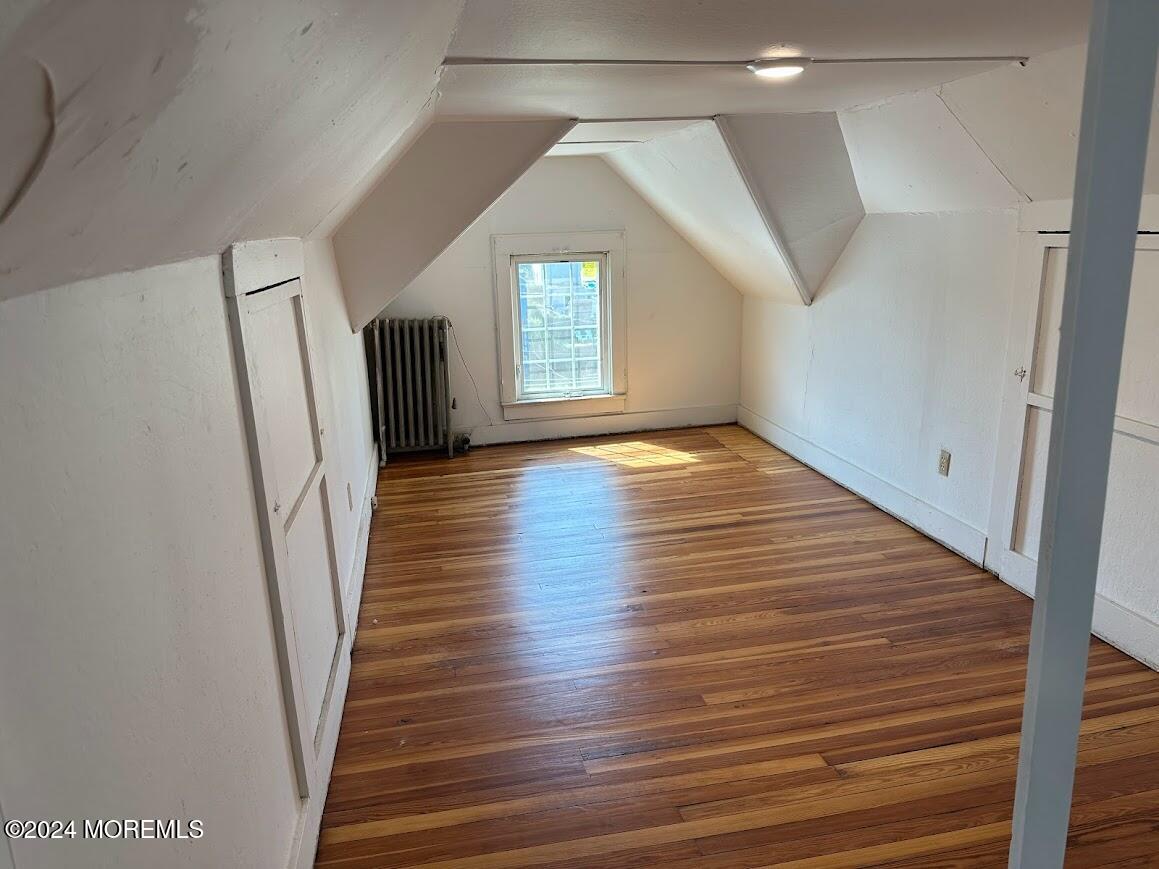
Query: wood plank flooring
<point>686,649</point>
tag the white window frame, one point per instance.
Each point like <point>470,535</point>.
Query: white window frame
<point>507,252</point>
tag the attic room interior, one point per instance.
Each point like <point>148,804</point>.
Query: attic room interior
<point>603,433</point>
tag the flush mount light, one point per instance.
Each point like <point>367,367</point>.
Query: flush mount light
<point>779,67</point>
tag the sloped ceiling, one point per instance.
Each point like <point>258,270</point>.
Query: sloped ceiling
<point>911,154</point>
<point>798,171</point>
<point>1027,120</point>
<point>138,132</point>
<point>689,177</point>
<point>452,173</point>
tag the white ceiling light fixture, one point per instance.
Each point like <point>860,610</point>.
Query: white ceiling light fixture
<point>779,67</point>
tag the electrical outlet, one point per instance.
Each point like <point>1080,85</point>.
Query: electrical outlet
<point>944,463</point>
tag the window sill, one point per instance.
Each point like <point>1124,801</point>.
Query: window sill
<point>562,408</point>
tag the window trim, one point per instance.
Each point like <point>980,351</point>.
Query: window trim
<point>570,245</point>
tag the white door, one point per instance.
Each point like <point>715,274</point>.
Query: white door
<point>290,475</point>
<point>1129,559</point>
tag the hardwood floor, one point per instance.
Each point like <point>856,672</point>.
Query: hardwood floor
<point>685,649</point>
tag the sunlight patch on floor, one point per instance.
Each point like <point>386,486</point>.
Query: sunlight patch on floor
<point>637,454</point>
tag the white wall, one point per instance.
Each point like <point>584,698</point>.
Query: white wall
<point>683,317</point>
<point>900,355</point>
<point>137,665</point>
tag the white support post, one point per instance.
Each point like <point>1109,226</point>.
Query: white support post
<point>1116,117</point>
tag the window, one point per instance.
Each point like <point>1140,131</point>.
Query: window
<point>562,341</point>
<point>560,308</point>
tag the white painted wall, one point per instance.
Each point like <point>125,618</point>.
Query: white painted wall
<point>137,665</point>
<point>683,317</point>
<point>900,355</point>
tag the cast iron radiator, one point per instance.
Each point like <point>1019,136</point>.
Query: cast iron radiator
<point>412,388</point>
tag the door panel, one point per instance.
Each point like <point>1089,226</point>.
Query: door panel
<point>1049,317</point>
<point>1028,518</point>
<point>278,343</point>
<point>315,624</point>
<point>1139,386</point>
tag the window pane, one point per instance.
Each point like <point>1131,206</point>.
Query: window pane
<point>530,278</point>
<point>587,373</point>
<point>535,377</point>
<point>560,325</point>
<point>534,345</point>
<point>585,343</point>
<point>587,308</point>
<point>561,375</point>
<point>531,313</point>
<point>559,344</point>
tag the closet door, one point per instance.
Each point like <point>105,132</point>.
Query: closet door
<point>289,470</point>
<point>1129,538</point>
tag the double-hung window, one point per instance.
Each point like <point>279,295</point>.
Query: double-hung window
<point>560,309</point>
<point>560,305</point>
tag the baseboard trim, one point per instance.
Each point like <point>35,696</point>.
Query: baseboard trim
<point>552,429</point>
<point>951,532</point>
<point>310,823</point>
<point>1127,631</point>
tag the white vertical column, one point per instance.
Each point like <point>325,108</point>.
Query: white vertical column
<point>1116,118</point>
